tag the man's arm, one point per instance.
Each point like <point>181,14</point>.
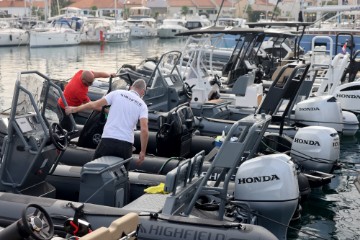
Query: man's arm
<point>144,138</point>
<point>103,74</point>
<point>95,105</point>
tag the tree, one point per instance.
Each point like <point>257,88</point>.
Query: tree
<point>277,11</point>
<point>253,16</point>
<point>94,10</point>
<point>184,10</point>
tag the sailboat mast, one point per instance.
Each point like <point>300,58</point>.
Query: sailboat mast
<point>115,10</point>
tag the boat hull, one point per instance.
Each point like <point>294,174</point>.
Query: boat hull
<point>162,227</point>
<point>53,39</point>
<point>14,37</point>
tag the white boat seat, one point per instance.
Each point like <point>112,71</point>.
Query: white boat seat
<point>120,227</point>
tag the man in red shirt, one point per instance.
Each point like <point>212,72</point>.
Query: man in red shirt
<point>76,92</point>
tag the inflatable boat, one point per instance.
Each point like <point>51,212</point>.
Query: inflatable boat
<point>189,204</point>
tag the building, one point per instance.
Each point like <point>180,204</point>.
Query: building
<point>21,8</point>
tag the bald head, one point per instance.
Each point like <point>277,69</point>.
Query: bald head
<point>87,77</point>
<point>139,86</point>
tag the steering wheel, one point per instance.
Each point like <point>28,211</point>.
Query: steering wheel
<point>37,224</point>
<point>188,90</point>
<point>58,136</point>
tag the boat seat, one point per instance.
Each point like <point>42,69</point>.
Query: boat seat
<point>119,228</point>
<point>283,76</point>
<point>216,102</point>
<point>147,203</point>
<point>180,183</point>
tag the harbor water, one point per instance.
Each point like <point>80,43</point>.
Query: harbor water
<point>331,212</point>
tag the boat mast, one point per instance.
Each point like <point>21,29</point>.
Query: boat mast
<point>115,11</point>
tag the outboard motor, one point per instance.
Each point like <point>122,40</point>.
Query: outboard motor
<point>316,148</point>
<point>320,111</point>
<point>256,182</point>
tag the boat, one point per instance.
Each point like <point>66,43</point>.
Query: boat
<point>103,193</point>
<point>231,22</point>
<point>57,33</point>
<point>344,22</point>
<point>193,22</point>
<point>118,32</point>
<point>337,75</point>
<point>12,36</point>
<point>93,30</point>
<point>170,27</point>
<point>141,24</point>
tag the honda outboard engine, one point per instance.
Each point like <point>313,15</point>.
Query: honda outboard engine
<point>320,111</point>
<point>316,148</point>
<point>348,95</point>
<point>268,186</point>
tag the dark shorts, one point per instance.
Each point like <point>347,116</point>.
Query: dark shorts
<point>114,147</point>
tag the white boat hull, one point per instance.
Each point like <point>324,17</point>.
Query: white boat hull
<point>53,38</point>
<point>117,36</point>
<point>13,37</point>
<point>169,32</point>
<point>143,32</point>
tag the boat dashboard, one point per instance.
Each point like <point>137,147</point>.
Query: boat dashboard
<point>31,129</point>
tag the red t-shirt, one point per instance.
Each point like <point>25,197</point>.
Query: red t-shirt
<point>75,92</point>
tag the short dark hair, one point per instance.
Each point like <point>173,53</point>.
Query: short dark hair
<point>139,84</point>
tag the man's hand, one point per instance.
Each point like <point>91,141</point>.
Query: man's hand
<point>69,110</point>
<point>141,158</point>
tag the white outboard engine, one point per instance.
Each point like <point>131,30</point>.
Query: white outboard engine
<point>351,123</point>
<point>326,111</point>
<point>348,95</point>
<point>268,185</point>
<point>320,111</point>
<point>316,148</point>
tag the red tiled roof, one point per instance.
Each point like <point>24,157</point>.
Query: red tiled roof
<point>227,3</point>
<point>87,4</point>
<point>180,3</point>
<point>263,2</point>
<point>20,4</point>
<point>204,4</point>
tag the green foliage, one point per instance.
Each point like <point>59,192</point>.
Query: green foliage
<point>184,10</point>
<point>277,12</point>
<point>253,16</point>
<point>94,8</point>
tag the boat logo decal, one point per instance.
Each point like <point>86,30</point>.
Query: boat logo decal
<point>273,177</point>
<point>309,109</point>
<point>308,142</point>
<point>352,96</point>
<point>178,233</point>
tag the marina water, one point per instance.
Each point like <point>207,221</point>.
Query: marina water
<point>331,212</point>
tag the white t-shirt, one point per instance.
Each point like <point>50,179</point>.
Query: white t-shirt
<point>126,109</point>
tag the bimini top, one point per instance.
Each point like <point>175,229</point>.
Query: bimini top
<point>238,31</point>
<point>278,24</point>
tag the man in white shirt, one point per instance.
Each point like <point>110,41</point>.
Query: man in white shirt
<point>127,108</point>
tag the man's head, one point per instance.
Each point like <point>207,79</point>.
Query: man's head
<point>87,77</point>
<point>140,87</point>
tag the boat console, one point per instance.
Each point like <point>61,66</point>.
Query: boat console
<point>31,145</point>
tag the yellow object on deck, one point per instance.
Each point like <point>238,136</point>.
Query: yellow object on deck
<point>156,189</point>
